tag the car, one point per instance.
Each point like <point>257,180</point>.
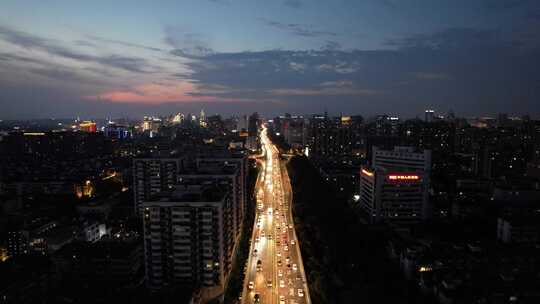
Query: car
<point>251,285</point>
<point>257,239</point>
<point>281,283</point>
<point>282,299</point>
<point>294,267</point>
<point>286,248</point>
<point>288,260</point>
<point>300,292</point>
<point>257,298</point>
<point>293,242</point>
<point>280,273</point>
<point>254,252</point>
<point>269,283</point>
<point>279,263</point>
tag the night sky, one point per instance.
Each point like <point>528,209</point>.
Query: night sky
<point>64,58</point>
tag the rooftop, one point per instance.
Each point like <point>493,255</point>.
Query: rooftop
<point>192,193</point>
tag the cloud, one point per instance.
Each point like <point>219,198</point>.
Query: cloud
<point>21,38</point>
<point>293,3</point>
<point>149,93</point>
<point>323,92</point>
<point>60,74</point>
<point>431,76</point>
<point>453,39</point>
<point>180,38</point>
<point>278,73</point>
<point>19,58</point>
<point>85,43</point>
<point>331,46</point>
<point>186,44</point>
<point>472,70</point>
<point>298,29</point>
<point>193,53</point>
<point>159,93</point>
<point>51,47</point>
<point>45,68</point>
<point>341,67</point>
<point>338,83</point>
<point>122,43</point>
<point>475,70</point>
<point>298,67</point>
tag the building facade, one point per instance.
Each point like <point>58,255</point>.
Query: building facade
<point>189,238</point>
<point>152,176</point>
<point>395,187</point>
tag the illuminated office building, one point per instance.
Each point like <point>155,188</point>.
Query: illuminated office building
<point>88,126</point>
<point>395,187</point>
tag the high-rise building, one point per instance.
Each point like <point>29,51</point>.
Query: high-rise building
<point>152,176</point>
<point>189,238</point>
<point>202,119</point>
<point>294,131</point>
<point>428,115</point>
<point>18,242</point>
<point>226,176</point>
<point>240,161</point>
<point>402,158</point>
<point>151,125</point>
<point>253,124</point>
<point>216,124</point>
<point>386,125</point>
<point>395,187</point>
<point>88,126</point>
<point>502,120</point>
<point>331,138</point>
<point>242,123</point>
<point>178,118</point>
<point>115,131</point>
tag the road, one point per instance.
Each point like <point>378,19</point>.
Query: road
<point>275,272</point>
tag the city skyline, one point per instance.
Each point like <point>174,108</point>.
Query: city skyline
<point>367,57</point>
<point>277,152</point>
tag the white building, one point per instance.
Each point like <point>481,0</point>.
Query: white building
<point>395,188</point>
